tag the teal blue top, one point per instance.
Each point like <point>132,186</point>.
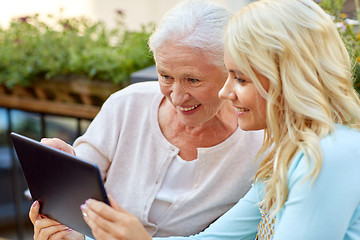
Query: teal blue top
<point>328,208</point>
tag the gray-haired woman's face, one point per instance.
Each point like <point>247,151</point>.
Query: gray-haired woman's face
<point>190,82</point>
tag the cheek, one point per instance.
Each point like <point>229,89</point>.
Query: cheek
<point>246,96</point>
<point>261,106</point>
<point>210,96</point>
<point>164,89</point>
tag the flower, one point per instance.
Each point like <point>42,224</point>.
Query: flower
<point>24,19</point>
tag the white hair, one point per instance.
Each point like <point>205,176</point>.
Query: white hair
<point>197,24</point>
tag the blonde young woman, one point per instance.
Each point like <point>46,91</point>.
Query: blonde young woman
<point>290,74</point>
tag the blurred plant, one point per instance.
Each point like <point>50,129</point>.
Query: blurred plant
<point>349,31</point>
<point>31,48</point>
<point>333,7</point>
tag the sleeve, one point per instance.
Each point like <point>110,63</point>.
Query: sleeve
<point>99,141</point>
<point>239,223</point>
<point>325,208</point>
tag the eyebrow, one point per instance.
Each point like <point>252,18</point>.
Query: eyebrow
<point>236,72</point>
<point>161,72</point>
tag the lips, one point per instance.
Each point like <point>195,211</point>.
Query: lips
<point>186,109</point>
<point>241,109</point>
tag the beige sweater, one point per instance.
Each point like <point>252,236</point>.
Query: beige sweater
<point>126,142</point>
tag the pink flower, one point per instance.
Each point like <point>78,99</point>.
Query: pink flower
<point>24,19</point>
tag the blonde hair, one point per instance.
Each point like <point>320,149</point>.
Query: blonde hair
<point>295,45</point>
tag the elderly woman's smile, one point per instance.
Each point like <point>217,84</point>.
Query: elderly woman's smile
<point>188,109</point>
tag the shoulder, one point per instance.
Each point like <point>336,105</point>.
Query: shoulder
<point>149,88</point>
<point>340,150</point>
<point>147,91</point>
<point>343,141</point>
<point>135,96</point>
<point>340,156</point>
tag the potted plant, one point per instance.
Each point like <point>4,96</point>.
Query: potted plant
<point>71,61</point>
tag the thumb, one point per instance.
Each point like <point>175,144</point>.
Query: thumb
<point>34,212</point>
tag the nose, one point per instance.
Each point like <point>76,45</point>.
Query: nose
<point>178,94</point>
<point>227,91</point>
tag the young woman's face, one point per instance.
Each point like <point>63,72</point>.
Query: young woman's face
<point>249,105</point>
<point>190,82</point>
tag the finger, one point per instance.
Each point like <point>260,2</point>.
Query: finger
<point>119,225</point>
<point>98,232</point>
<point>100,227</point>
<point>54,233</point>
<point>102,209</point>
<point>48,141</point>
<point>60,235</point>
<point>52,142</point>
<point>44,228</point>
<point>34,212</point>
<point>58,144</point>
<point>100,220</point>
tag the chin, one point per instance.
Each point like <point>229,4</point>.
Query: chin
<point>246,128</point>
<point>251,127</point>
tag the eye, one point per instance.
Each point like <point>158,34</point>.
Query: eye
<point>239,79</point>
<point>165,76</point>
<point>193,80</point>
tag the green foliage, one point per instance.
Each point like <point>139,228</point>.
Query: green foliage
<point>351,37</point>
<point>31,48</point>
<point>333,7</point>
<point>349,31</point>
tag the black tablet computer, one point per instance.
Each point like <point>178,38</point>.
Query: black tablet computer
<point>60,181</point>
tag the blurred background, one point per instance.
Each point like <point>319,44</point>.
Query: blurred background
<point>44,43</point>
<point>137,12</point>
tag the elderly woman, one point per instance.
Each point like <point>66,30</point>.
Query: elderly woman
<point>170,152</point>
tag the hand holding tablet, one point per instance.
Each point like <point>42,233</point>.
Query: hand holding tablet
<point>60,181</point>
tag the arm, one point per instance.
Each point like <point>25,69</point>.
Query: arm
<point>99,142</point>
<point>239,223</point>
